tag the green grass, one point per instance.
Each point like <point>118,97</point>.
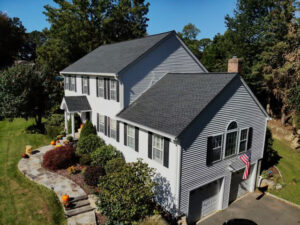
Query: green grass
<point>289,166</point>
<point>21,200</point>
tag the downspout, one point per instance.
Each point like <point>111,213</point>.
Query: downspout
<point>178,173</point>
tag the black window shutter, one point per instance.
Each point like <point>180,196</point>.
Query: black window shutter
<point>209,151</point>
<point>65,82</point>
<point>149,145</point>
<point>136,139</point>
<point>105,88</point>
<point>125,134</point>
<point>97,92</point>
<point>108,89</point>
<point>105,125</point>
<point>118,91</point>
<point>98,122</point>
<point>166,152</point>
<point>75,83</point>
<point>118,132</point>
<point>108,126</point>
<point>88,82</point>
<point>82,84</point>
<point>250,137</point>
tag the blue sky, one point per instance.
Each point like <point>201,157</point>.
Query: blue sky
<point>164,15</point>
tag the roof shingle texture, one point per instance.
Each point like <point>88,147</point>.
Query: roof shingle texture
<point>77,103</point>
<point>112,58</point>
<point>173,102</point>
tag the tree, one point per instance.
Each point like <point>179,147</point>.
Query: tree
<point>78,27</point>
<point>127,196</point>
<point>12,38</point>
<point>28,91</point>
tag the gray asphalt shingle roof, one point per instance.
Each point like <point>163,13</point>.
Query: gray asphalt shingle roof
<point>77,103</point>
<point>173,102</point>
<point>113,58</point>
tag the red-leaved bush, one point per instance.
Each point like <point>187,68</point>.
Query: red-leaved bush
<point>60,158</point>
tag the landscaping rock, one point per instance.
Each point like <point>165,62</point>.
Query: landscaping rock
<point>278,186</point>
<point>267,182</point>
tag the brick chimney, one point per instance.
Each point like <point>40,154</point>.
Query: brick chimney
<point>234,65</point>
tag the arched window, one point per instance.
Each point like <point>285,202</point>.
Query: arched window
<point>231,139</point>
<point>232,125</point>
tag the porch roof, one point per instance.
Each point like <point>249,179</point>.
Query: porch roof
<point>75,104</point>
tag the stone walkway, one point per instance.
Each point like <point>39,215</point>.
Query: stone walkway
<point>59,184</point>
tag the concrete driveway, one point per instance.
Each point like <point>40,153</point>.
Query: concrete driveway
<point>265,211</point>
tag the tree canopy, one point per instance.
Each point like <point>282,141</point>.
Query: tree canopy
<point>79,26</point>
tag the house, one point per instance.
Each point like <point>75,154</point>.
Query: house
<point>152,99</point>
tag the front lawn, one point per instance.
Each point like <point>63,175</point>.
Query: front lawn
<point>289,166</point>
<point>22,201</point>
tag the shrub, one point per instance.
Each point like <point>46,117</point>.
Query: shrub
<point>89,144</point>
<point>114,165</point>
<point>77,123</point>
<point>52,131</point>
<point>85,160</point>
<point>54,125</point>
<point>128,195</point>
<point>92,174</point>
<point>87,129</point>
<point>60,158</point>
<point>35,129</point>
<point>103,154</point>
<point>70,138</point>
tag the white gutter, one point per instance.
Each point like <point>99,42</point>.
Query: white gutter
<point>178,175</point>
<point>90,73</point>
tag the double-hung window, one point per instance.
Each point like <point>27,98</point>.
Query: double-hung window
<point>131,136</point>
<point>100,87</point>
<point>85,85</point>
<point>216,147</point>
<point>66,82</point>
<point>73,83</point>
<point>113,89</point>
<point>101,123</point>
<point>231,139</point>
<point>243,140</point>
<point>113,129</point>
<point>157,148</point>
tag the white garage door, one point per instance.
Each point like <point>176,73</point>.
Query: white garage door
<point>204,200</point>
<point>238,186</point>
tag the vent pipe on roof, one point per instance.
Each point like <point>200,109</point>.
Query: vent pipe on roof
<point>234,65</point>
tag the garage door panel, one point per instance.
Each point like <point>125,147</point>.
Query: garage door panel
<point>204,200</point>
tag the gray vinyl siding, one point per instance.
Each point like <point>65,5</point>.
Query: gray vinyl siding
<point>170,56</point>
<point>233,103</point>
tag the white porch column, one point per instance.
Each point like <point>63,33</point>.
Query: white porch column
<point>73,125</point>
<point>253,177</point>
<point>66,122</point>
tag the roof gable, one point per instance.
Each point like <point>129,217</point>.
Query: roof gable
<point>113,58</point>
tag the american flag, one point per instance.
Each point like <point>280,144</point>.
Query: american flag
<point>246,159</point>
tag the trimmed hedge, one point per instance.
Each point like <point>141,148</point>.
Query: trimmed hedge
<point>87,129</point>
<point>89,144</point>
<point>85,160</point>
<point>114,165</point>
<point>103,154</point>
<point>60,158</point>
<point>92,174</point>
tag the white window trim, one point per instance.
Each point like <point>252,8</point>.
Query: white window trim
<point>128,127</point>
<point>240,133</point>
<point>162,150</point>
<point>67,83</point>
<point>72,86</point>
<point>237,139</point>
<point>113,89</point>
<point>100,89</point>
<point>85,87</point>
<point>115,130</point>
<point>100,123</point>
<point>222,146</point>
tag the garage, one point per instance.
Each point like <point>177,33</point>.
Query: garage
<point>204,200</point>
<point>238,186</point>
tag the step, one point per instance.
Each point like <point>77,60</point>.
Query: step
<point>74,212</point>
<point>78,204</point>
<point>79,198</point>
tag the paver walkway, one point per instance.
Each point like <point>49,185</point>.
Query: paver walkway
<point>59,184</point>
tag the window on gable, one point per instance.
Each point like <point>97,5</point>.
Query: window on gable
<point>66,82</point>
<point>73,83</point>
<point>100,87</point>
<point>231,139</point>
<point>131,136</point>
<point>113,89</point>
<point>157,148</point>
<point>216,147</point>
<point>101,123</point>
<point>113,129</point>
<point>243,140</point>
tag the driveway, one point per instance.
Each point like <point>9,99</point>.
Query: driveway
<point>265,211</point>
